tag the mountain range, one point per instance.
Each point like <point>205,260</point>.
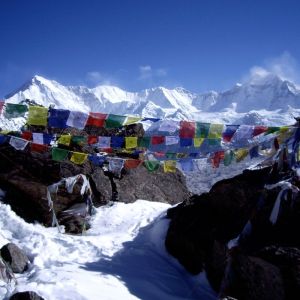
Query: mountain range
<point>263,99</point>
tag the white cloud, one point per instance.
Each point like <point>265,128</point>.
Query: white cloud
<point>148,73</point>
<point>98,78</point>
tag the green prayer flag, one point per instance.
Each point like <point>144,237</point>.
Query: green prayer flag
<point>114,121</point>
<point>144,142</point>
<point>14,110</point>
<point>228,157</point>
<point>59,154</point>
<point>214,142</point>
<point>151,165</point>
<point>171,155</point>
<point>202,129</point>
<point>272,130</point>
<point>79,140</point>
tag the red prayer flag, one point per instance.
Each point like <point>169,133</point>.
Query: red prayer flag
<point>157,140</point>
<point>38,147</point>
<point>26,135</point>
<point>216,159</point>
<point>187,129</point>
<point>92,139</point>
<point>259,130</point>
<point>96,119</point>
<point>132,163</point>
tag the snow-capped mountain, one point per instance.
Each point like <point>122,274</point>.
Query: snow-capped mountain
<point>265,99</point>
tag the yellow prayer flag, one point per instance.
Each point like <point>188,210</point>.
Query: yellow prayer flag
<point>78,158</point>
<point>37,115</point>
<point>170,166</point>
<point>241,154</point>
<point>215,131</point>
<point>198,142</point>
<point>131,142</point>
<point>64,139</point>
<point>284,133</point>
<point>132,120</point>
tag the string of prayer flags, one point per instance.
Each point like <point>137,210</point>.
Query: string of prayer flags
<point>77,119</point>
<point>64,139</point>
<point>241,154</point>
<point>59,154</point>
<point>96,119</point>
<point>131,163</point>
<point>58,118</point>
<point>215,131</point>
<point>152,165</point>
<point>114,121</point>
<point>198,142</point>
<point>132,120</point>
<point>202,129</point>
<point>229,132</point>
<point>171,140</point>
<point>15,110</point>
<point>37,115</point>
<point>103,142</point>
<point>170,166</point>
<point>157,140</point>
<point>187,129</point>
<point>131,142</point>
<point>18,143</point>
<point>78,158</point>
<point>1,106</point>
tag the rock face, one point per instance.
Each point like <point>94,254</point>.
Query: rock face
<point>26,296</point>
<point>263,263</point>
<point>14,257</point>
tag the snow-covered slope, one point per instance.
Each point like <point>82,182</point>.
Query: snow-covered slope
<point>264,99</point>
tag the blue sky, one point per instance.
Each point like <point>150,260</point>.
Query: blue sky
<point>136,44</point>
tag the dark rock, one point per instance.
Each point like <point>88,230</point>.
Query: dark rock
<point>26,296</point>
<point>14,257</point>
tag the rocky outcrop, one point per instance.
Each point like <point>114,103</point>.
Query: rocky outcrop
<point>263,262</point>
<point>29,295</point>
<point>16,259</point>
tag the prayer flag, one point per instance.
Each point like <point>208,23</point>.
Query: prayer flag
<point>97,160</point>
<point>115,165</point>
<point>96,119</point>
<point>79,140</point>
<point>217,157</point>
<point>169,126</point>
<point>132,120</point>
<point>114,121</point>
<point>38,148</point>
<point>228,157</point>
<point>241,154</point>
<point>170,166</point>
<point>37,115</point>
<point>117,142</point>
<point>259,130</point>
<point>14,110</point>
<point>58,118</point>
<point>215,131</point>
<point>77,119</point>
<point>254,152</point>
<point>157,140</point>
<point>272,129</point>
<point>26,135</point>
<point>229,132</point>
<point>130,142</point>
<point>187,129</point>
<point>103,142</point>
<point>186,142</point>
<point>202,130</point>
<point>171,140</point>
<point>144,142</point>
<point>3,139</point>
<point>78,158</point>
<point>132,163</point>
<point>92,139</point>
<point>171,155</point>
<point>38,138</point>
<point>151,119</point>
<point>214,142</point>
<point>152,165</point>
<point>244,132</point>
<point>18,143</point>
<point>186,165</point>
<point>64,139</point>
<point>198,142</point>
<point>59,154</point>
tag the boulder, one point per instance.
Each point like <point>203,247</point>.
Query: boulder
<point>14,257</point>
<point>28,295</point>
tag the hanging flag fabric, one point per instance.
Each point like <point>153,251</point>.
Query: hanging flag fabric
<point>132,120</point>
<point>272,129</point>
<point>38,138</point>
<point>229,132</point>
<point>97,160</point>
<point>169,126</point>
<point>186,165</point>
<point>37,116</point>
<point>64,139</point>
<point>58,118</point>
<point>59,154</point>
<point>253,152</point>
<point>78,158</point>
<point>171,140</point>
<point>79,140</point>
<point>170,166</point>
<point>77,119</point>
<point>96,119</point>
<point>92,139</point>
<point>1,106</point>
<point>131,163</point>
<point>187,129</point>
<point>114,121</point>
<point>18,143</point>
<point>157,140</point>
<point>244,132</point>
<point>144,142</point>
<point>228,157</point>
<point>117,142</point>
<point>171,155</point>
<point>151,165</point>
<point>202,129</point>
<point>214,142</point>
<point>3,139</point>
<point>38,148</point>
<point>216,158</point>
<point>26,135</point>
<point>240,154</point>
<point>14,110</point>
<point>259,130</point>
<point>186,142</point>
<point>103,142</point>
<point>284,133</point>
<point>115,165</point>
<point>130,142</point>
<point>215,131</point>
<point>198,142</point>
